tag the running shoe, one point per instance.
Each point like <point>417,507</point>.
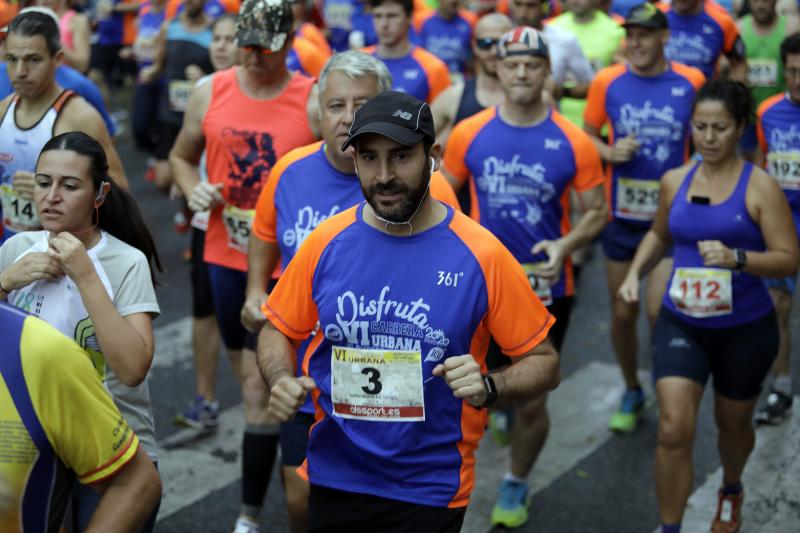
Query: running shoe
<point>778,409</point>
<point>183,221</point>
<point>500,423</point>
<point>199,414</point>
<point>511,509</point>
<point>245,526</point>
<point>630,409</point>
<point>729,513</point>
<point>150,174</point>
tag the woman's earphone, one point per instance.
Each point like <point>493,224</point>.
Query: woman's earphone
<point>433,164</point>
<point>101,193</point>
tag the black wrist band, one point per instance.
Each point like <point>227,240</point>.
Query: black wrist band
<point>491,392</point>
<point>740,258</point>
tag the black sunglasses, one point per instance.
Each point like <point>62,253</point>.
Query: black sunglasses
<point>486,43</point>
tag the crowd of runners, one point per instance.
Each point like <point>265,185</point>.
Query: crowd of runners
<point>389,204</point>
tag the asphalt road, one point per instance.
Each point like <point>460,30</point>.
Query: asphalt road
<point>596,482</point>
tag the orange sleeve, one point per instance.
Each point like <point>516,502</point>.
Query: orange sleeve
<point>435,70</point>
<point>231,6</point>
<point>729,30</point>
<point>595,113</point>
<point>172,9</point>
<point>418,18</point>
<point>762,109</point>
<point>694,75</point>
<point>469,16</point>
<point>588,166</point>
<point>266,217</point>
<point>314,35</point>
<point>516,317</point>
<point>455,156</point>
<point>442,191</point>
<point>311,58</point>
<point>290,306</point>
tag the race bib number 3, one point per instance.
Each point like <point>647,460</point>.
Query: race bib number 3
<point>702,292</point>
<point>19,214</point>
<point>762,72</point>
<point>786,169</point>
<point>637,199</point>
<point>179,91</point>
<point>540,286</point>
<point>377,385</point>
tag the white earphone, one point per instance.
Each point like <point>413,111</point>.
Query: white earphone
<point>433,164</point>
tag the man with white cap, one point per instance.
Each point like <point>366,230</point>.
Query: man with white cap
<point>521,159</point>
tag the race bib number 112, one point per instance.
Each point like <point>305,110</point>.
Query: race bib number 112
<point>378,385</point>
<point>702,292</point>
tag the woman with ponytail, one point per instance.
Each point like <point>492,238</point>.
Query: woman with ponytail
<point>90,274</point>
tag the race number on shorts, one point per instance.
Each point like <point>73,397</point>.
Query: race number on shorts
<point>637,199</point>
<point>762,72</point>
<point>19,214</point>
<point>539,285</point>
<point>702,292</point>
<point>785,167</point>
<point>377,385</point>
<point>179,91</point>
<point>238,223</point>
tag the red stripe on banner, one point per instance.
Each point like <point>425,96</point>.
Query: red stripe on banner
<point>378,412</point>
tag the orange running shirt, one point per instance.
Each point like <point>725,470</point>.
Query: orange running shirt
<point>245,137</point>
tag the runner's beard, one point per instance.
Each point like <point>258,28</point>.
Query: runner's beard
<point>408,206</point>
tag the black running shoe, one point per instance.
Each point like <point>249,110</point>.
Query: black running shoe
<point>778,408</point>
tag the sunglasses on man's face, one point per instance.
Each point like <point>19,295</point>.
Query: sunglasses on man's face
<point>486,43</point>
<point>258,50</point>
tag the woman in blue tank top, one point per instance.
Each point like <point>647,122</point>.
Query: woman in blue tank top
<point>730,225</point>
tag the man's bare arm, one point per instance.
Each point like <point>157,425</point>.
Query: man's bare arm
<point>532,375</point>
<point>189,145</point>
<point>128,498</point>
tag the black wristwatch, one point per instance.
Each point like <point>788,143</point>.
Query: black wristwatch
<point>740,256</point>
<point>491,392</point>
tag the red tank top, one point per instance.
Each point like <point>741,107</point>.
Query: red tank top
<point>245,137</point>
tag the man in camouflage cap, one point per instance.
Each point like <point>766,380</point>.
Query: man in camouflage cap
<point>266,24</point>
<point>246,119</point>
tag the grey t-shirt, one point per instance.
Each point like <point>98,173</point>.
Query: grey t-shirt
<point>125,275</point>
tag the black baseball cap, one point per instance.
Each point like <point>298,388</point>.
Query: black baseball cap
<point>648,16</point>
<point>398,116</point>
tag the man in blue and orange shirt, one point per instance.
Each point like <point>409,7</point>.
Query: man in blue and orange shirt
<point>404,293</point>
<point>778,134</point>
<point>700,33</point>
<point>647,105</point>
<point>414,70</point>
<point>446,32</point>
<point>521,158</point>
<point>307,186</point>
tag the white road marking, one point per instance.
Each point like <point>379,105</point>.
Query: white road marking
<point>771,483</point>
<point>200,466</point>
<point>173,343</point>
<point>580,409</point>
